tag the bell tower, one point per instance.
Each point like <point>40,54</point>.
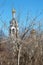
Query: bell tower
<point>13,26</point>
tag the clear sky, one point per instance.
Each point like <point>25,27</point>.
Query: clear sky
<point>23,6</point>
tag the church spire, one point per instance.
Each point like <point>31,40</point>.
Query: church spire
<point>13,12</point>
<point>13,26</point>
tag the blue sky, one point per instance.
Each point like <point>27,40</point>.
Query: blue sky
<point>34,7</point>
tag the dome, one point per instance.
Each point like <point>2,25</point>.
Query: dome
<point>32,31</point>
<point>13,11</point>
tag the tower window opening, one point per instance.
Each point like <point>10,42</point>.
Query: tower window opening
<point>13,31</point>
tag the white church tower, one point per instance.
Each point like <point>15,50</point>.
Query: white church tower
<point>13,26</point>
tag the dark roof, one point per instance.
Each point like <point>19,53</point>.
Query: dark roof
<point>13,20</point>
